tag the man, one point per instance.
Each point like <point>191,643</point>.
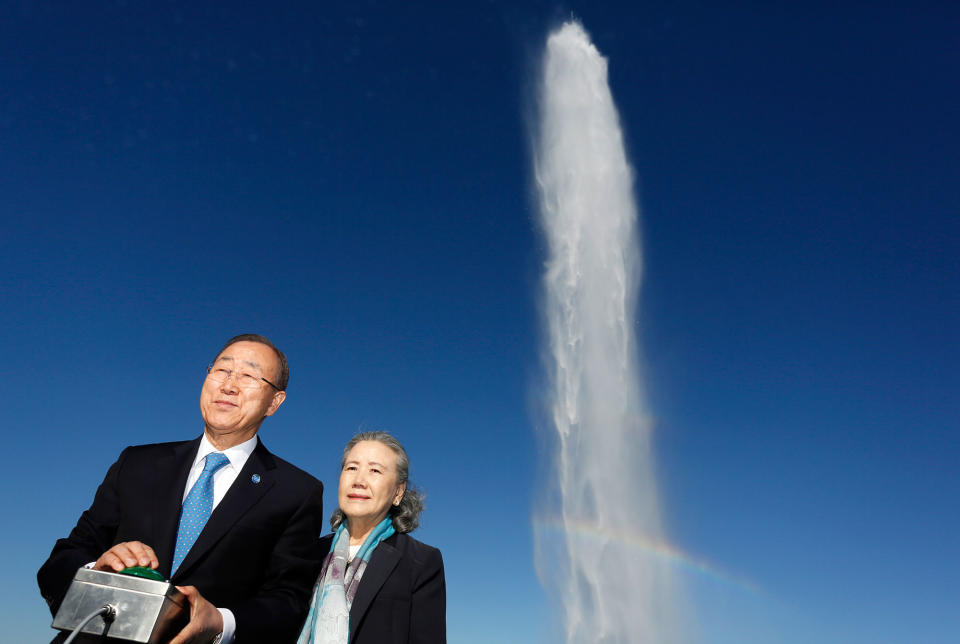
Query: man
<point>247,562</point>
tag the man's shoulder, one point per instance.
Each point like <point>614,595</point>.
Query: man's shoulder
<point>291,472</point>
<point>161,446</point>
<point>156,449</point>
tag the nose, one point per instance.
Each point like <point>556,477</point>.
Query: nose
<point>229,384</point>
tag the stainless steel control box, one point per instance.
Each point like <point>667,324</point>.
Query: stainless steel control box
<point>148,611</point>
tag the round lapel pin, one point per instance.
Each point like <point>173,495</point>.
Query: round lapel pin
<point>255,478</point>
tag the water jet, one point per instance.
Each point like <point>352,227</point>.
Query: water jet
<point>601,468</point>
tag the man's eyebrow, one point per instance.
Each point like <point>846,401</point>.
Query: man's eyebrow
<point>249,363</point>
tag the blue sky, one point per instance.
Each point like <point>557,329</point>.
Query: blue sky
<point>355,183</point>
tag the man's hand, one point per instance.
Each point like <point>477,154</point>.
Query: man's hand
<point>126,555</point>
<point>206,622</point>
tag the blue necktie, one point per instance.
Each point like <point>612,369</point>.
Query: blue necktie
<point>197,508</point>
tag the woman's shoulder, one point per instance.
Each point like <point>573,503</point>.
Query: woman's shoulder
<point>415,549</point>
<point>326,541</point>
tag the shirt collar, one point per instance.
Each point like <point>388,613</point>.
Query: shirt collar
<point>238,454</point>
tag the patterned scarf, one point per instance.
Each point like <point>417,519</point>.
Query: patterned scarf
<point>328,621</point>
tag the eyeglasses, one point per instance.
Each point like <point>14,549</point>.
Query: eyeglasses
<point>243,379</point>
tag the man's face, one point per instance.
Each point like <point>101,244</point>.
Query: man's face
<point>234,400</point>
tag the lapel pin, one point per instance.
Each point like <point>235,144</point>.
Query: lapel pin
<point>255,478</point>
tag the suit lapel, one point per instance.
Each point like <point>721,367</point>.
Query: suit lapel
<point>242,495</point>
<point>172,470</point>
<point>382,562</point>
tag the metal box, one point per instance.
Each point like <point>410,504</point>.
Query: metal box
<point>147,611</point>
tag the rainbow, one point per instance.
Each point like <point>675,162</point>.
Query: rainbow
<point>650,547</point>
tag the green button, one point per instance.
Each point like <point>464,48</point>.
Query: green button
<point>142,571</point>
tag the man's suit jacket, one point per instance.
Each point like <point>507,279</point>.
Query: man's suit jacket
<point>402,597</point>
<point>256,555</point>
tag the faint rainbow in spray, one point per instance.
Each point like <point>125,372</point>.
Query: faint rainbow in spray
<point>650,547</point>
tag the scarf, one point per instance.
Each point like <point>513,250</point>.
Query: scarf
<point>328,621</point>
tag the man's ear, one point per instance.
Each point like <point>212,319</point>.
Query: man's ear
<point>278,398</point>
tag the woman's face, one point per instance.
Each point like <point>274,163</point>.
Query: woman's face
<point>368,483</point>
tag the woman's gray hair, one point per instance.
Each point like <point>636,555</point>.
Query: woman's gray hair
<point>406,515</point>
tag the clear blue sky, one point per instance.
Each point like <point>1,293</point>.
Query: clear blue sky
<point>355,184</point>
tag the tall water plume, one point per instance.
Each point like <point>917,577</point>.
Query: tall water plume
<point>598,554</point>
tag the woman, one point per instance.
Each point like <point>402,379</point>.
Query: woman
<point>377,584</point>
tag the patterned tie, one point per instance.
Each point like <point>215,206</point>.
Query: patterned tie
<point>197,508</point>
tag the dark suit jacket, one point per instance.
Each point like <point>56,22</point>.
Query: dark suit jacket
<point>256,555</point>
<point>402,598</point>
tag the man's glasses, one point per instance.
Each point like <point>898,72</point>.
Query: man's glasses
<point>243,379</point>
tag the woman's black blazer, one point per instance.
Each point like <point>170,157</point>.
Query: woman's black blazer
<point>402,598</point>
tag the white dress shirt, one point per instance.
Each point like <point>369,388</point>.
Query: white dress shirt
<point>222,480</point>
<point>226,475</point>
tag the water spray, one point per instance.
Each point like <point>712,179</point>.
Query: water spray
<point>602,463</point>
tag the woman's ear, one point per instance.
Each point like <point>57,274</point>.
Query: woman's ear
<point>400,492</point>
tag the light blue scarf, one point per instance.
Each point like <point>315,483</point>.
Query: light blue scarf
<point>328,621</point>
